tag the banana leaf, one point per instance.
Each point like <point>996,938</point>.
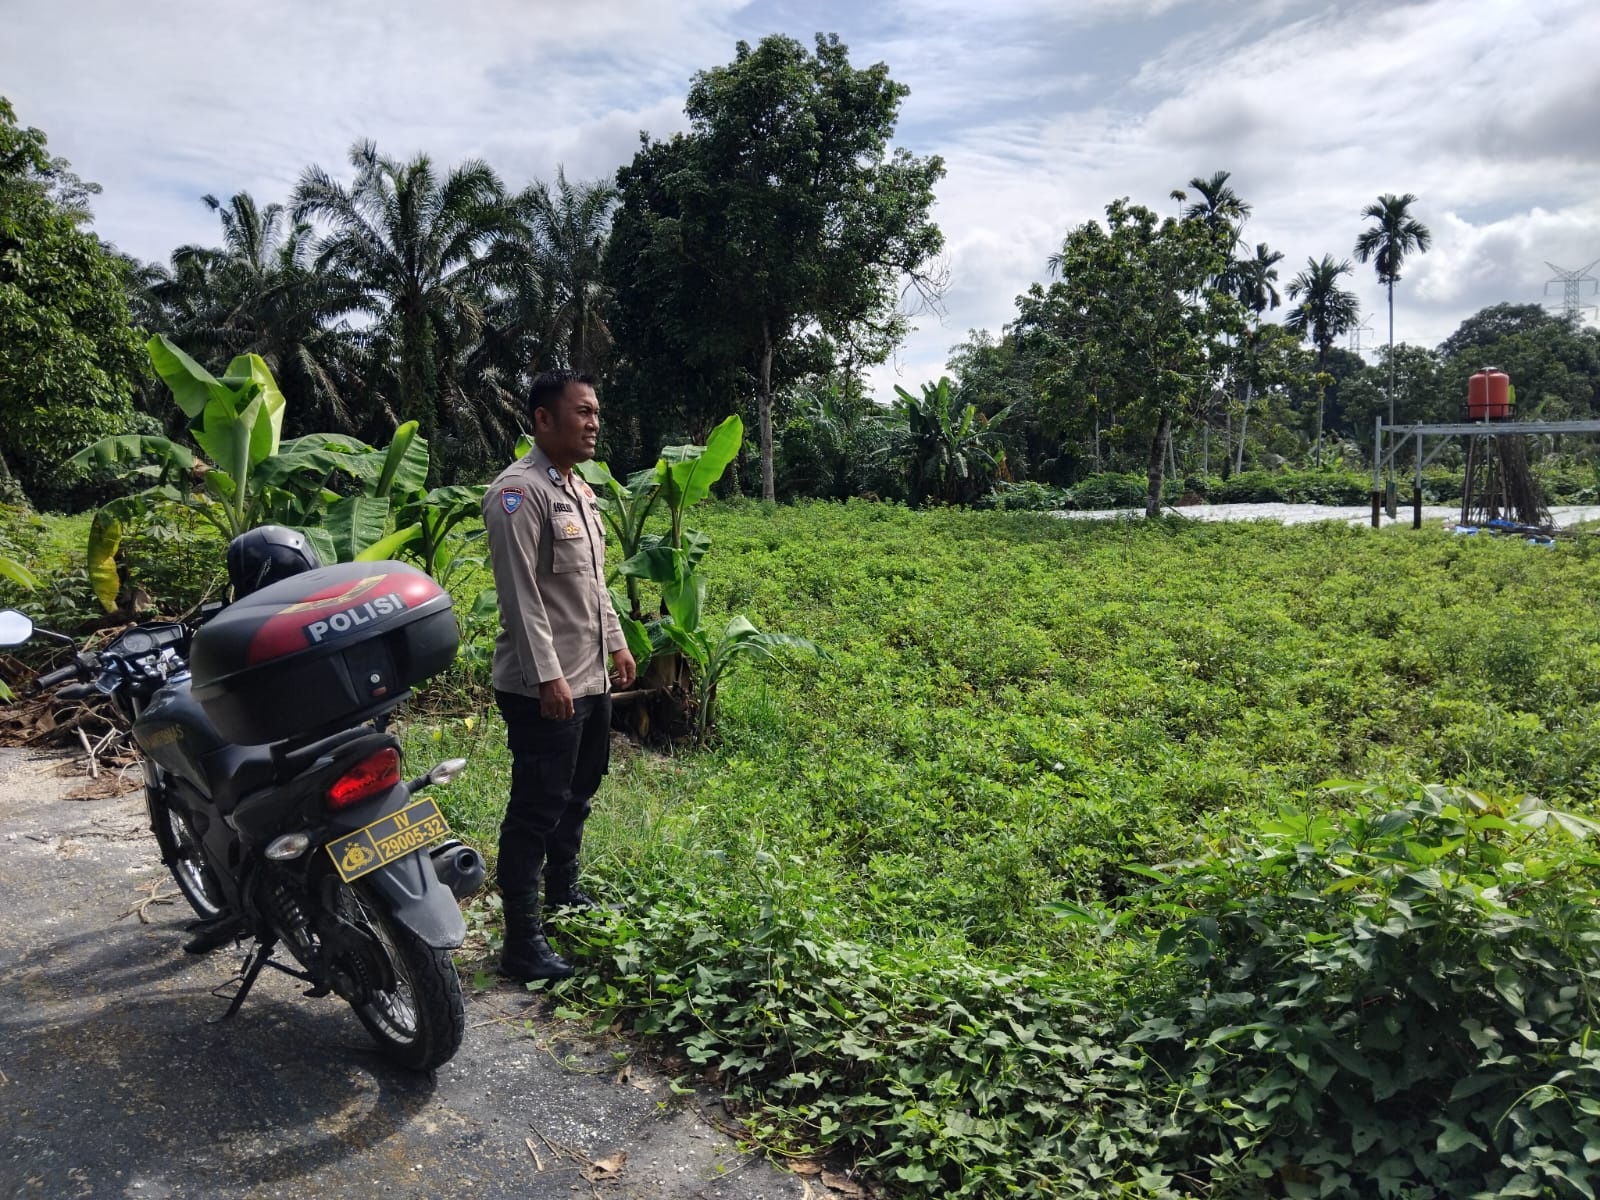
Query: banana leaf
<point>105,537</point>
<point>18,574</point>
<point>690,471</point>
<point>355,523</point>
<point>388,547</point>
<point>133,448</point>
<point>405,463</point>
<point>192,386</point>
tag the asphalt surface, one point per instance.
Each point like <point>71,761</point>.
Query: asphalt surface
<point>114,1082</point>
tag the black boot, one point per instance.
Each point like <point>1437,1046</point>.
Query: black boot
<point>527,956</point>
<point>561,888</point>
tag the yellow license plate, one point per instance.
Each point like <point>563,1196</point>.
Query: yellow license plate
<point>395,836</point>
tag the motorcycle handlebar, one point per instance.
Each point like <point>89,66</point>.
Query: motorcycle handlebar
<point>60,675</point>
<point>78,691</point>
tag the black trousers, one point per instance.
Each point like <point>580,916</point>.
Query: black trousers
<point>556,768</point>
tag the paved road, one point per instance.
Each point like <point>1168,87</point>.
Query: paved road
<point>114,1084</point>
<point>1433,515</point>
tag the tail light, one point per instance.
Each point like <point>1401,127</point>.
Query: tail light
<point>374,774</point>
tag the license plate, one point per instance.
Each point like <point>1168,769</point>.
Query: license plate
<point>395,836</point>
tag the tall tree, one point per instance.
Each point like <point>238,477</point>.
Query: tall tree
<point>422,253</point>
<point>69,359</point>
<point>1131,327</point>
<point>1553,359</point>
<point>261,292</point>
<point>1251,279</point>
<point>1324,312</point>
<point>569,228</point>
<point>1220,208</point>
<point>781,221</point>
<point>1394,234</point>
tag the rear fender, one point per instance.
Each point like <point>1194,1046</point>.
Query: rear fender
<point>408,887</point>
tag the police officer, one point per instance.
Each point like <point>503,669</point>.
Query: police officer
<point>548,550</point>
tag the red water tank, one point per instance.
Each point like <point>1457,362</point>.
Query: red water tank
<point>1489,395</point>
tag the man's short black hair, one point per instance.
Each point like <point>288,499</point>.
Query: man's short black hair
<point>549,386</point>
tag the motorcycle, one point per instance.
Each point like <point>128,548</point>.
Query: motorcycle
<point>309,841</point>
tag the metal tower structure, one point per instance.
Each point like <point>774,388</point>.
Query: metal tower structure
<point>1356,334</point>
<point>1572,287</point>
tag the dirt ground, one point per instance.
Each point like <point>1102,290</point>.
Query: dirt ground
<point>114,1082</point>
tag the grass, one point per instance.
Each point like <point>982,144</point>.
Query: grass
<point>1015,708</point>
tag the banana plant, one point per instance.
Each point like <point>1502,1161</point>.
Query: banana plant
<point>684,477</point>
<point>249,475</point>
<point>625,507</point>
<point>236,420</point>
<point>434,515</point>
<point>354,528</point>
<point>709,654</point>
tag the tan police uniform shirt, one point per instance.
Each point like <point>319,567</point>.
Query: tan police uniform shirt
<point>547,546</point>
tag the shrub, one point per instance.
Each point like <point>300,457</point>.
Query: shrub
<point>1111,489</point>
<point>1394,1001</point>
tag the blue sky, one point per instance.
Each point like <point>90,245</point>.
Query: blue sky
<point>1489,110</point>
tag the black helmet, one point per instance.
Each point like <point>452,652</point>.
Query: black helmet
<point>265,555</point>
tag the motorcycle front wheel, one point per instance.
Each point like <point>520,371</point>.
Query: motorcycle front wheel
<point>420,1020</point>
<point>180,850</point>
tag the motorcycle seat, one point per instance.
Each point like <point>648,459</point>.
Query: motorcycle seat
<point>236,771</point>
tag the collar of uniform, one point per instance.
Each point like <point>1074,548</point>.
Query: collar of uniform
<point>540,465</point>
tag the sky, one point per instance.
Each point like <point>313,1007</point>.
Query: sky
<point>1487,110</point>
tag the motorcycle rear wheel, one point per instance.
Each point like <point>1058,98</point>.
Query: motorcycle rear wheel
<point>180,849</point>
<point>418,1023</point>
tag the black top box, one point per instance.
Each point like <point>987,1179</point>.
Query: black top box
<point>321,652</point>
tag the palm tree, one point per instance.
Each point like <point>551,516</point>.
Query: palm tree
<point>1223,212</point>
<point>1219,206</point>
<point>260,293</point>
<point>1251,280</point>
<point>569,230</point>
<point>422,255</point>
<point>1325,311</point>
<point>1396,234</point>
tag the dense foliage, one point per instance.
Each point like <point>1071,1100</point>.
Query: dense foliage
<point>762,262</point>
<point>769,241</point>
<point>68,357</point>
<point>905,908</point>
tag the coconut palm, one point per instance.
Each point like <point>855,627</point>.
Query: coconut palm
<point>1223,212</point>
<point>1325,312</point>
<point>1395,235</point>
<point>421,254</point>
<point>569,228</point>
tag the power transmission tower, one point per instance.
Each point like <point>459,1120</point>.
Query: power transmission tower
<point>1572,288</point>
<point>1355,336</point>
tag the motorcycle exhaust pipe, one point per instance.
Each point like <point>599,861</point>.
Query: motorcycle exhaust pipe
<point>459,867</point>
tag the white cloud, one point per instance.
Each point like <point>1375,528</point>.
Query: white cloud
<point>1489,110</point>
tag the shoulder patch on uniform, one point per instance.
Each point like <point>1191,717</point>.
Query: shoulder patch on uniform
<point>511,499</point>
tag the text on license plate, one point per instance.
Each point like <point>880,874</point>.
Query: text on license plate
<point>395,836</point>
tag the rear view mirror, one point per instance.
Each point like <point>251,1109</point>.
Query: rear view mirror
<point>14,628</point>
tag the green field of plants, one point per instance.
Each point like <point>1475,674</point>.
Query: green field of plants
<point>1032,885</point>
